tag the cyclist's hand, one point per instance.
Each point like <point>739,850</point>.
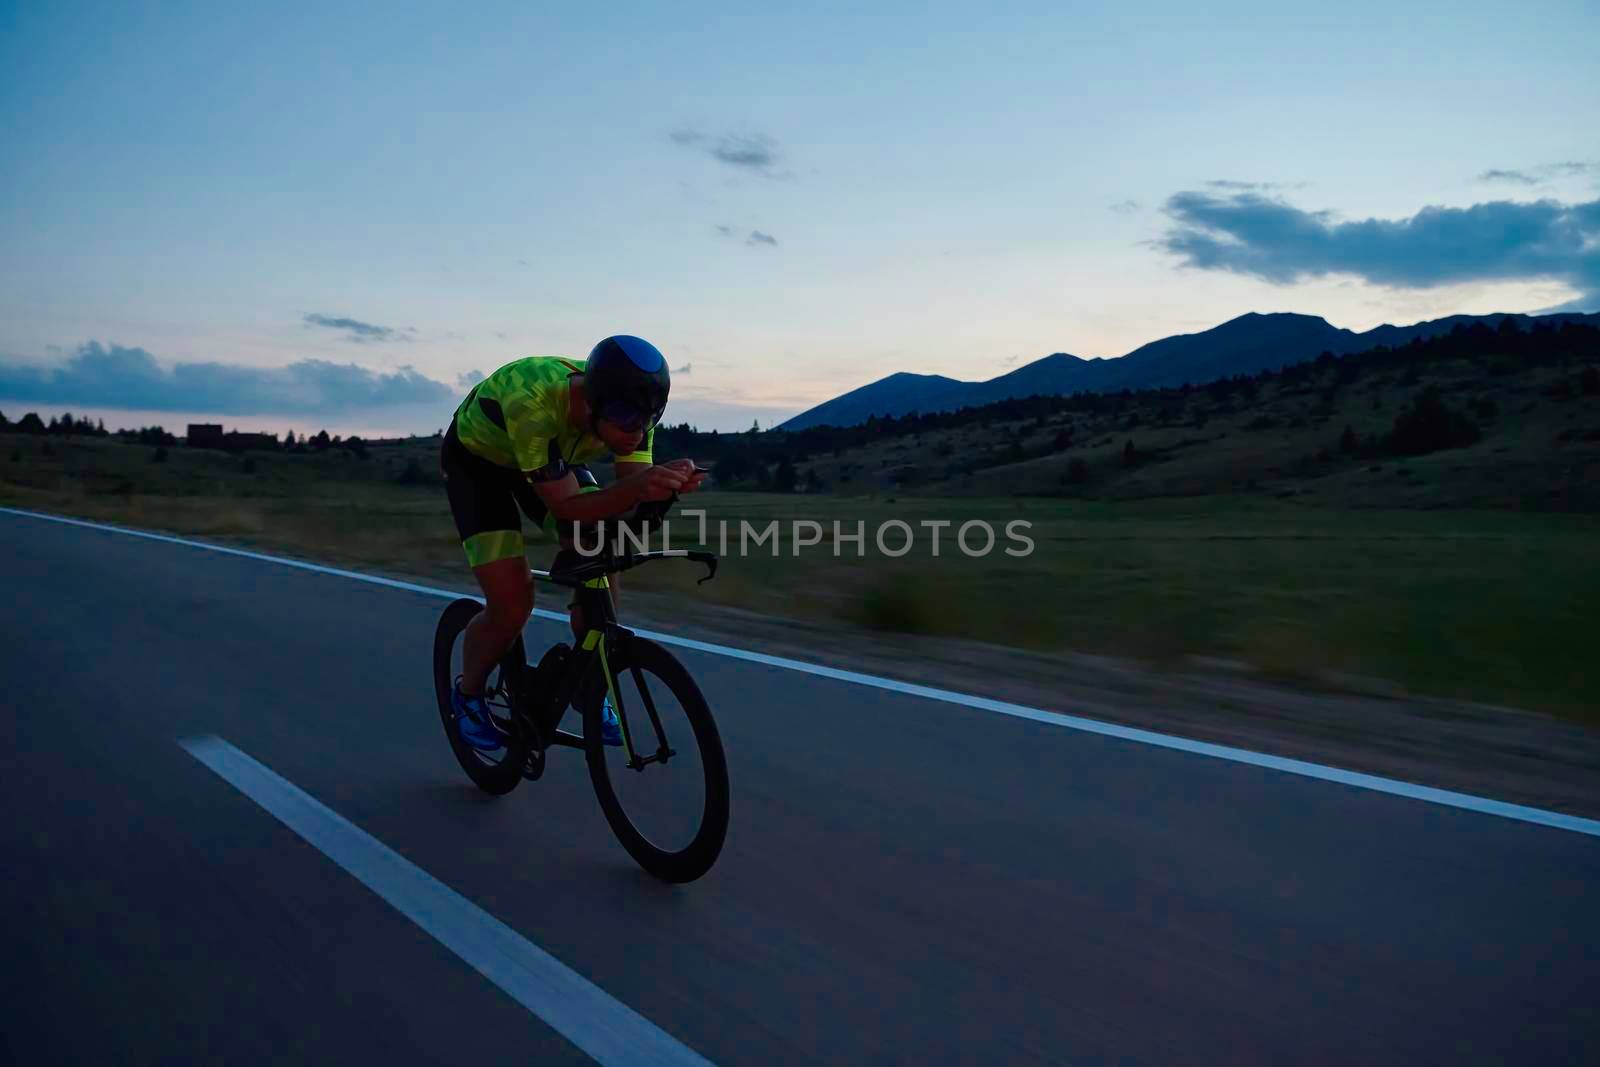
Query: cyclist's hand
<point>691,477</point>
<point>660,482</point>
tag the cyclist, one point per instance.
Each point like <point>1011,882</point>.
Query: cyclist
<point>522,438</point>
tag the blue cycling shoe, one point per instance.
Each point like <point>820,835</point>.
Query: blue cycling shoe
<point>472,721</point>
<point>610,726</point>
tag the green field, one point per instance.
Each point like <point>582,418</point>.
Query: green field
<point>1488,605</point>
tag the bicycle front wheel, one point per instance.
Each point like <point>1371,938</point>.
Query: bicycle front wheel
<point>496,772</point>
<point>665,790</point>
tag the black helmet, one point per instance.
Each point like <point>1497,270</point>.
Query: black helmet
<point>626,382</point>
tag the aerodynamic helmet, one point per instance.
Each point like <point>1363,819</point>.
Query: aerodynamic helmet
<point>627,383</point>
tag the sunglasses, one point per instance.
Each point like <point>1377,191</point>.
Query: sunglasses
<point>627,419</point>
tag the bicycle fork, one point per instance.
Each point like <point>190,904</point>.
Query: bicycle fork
<point>616,637</point>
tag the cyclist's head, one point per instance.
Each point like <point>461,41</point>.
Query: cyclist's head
<point>626,383</point>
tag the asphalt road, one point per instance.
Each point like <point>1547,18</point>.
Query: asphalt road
<point>905,881</point>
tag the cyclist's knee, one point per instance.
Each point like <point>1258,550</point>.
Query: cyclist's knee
<point>510,607</point>
<point>507,593</point>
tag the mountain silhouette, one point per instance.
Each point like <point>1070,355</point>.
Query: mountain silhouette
<point>1246,345</point>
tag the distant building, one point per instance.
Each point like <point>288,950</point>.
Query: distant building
<point>205,435</point>
<point>210,435</point>
<point>241,441</point>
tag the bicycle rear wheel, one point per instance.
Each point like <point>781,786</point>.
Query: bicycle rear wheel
<point>671,814</point>
<point>493,772</point>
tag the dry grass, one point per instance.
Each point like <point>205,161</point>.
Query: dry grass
<point>1487,605</point>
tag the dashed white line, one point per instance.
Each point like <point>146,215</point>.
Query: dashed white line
<point>576,1008</point>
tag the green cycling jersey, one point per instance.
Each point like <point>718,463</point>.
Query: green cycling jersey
<point>518,417</point>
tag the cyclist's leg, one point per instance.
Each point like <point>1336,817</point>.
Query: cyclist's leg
<point>508,602</point>
<point>568,555</point>
<point>483,503</point>
<point>587,483</point>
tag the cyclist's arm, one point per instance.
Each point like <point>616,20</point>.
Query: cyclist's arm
<point>639,459</point>
<point>567,504</point>
<point>533,442</point>
<point>642,457</point>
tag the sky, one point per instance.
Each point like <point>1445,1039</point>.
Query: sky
<point>307,215</point>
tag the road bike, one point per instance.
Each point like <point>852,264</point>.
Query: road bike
<point>664,790</point>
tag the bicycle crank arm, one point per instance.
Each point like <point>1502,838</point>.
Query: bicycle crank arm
<point>661,756</point>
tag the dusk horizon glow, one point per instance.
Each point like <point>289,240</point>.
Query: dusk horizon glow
<point>346,215</point>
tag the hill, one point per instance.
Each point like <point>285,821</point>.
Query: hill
<point>1479,417</point>
<point>1244,345</point>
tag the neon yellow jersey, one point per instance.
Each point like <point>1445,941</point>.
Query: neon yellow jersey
<point>517,417</point>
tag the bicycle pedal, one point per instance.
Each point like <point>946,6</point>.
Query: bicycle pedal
<point>533,767</point>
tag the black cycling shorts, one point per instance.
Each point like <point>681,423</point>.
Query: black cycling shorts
<point>485,499</point>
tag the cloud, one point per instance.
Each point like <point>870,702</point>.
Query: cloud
<point>355,330</point>
<point>1541,175</point>
<point>755,237</point>
<point>1514,176</point>
<point>1231,186</point>
<point>755,152</point>
<point>468,379</point>
<point>118,377</point>
<point>1125,207</point>
<point>1499,240</point>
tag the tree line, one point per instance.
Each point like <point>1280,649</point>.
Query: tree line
<point>69,426</point>
<point>768,460</point>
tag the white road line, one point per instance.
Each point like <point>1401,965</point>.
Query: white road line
<point>1483,805</point>
<point>576,1008</point>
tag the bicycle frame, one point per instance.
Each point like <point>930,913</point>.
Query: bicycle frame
<point>603,634</point>
<point>528,704</point>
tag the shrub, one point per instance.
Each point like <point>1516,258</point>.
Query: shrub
<point>1429,426</point>
<point>412,474</point>
<point>785,479</point>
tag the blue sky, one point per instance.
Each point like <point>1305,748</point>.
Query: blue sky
<point>339,211</point>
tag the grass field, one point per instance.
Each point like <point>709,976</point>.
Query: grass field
<point>1539,451</point>
<point>1488,605</point>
